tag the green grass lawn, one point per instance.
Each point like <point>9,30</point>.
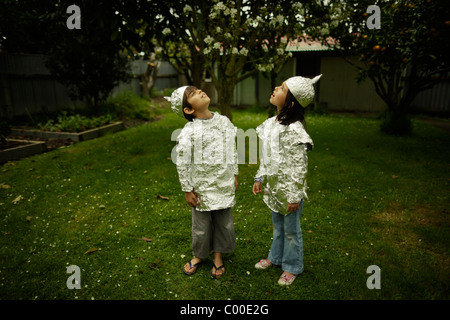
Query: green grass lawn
<point>374,200</point>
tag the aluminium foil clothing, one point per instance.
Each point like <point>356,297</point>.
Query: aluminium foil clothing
<point>283,162</point>
<point>207,161</point>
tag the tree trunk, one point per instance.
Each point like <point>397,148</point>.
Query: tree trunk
<point>395,120</point>
<point>197,70</point>
<point>225,97</point>
<point>148,79</point>
<point>92,104</point>
<point>272,110</point>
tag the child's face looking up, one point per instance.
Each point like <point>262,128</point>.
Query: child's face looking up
<point>199,100</point>
<point>278,96</point>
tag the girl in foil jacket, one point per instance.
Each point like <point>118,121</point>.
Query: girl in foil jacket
<point>284,164</point>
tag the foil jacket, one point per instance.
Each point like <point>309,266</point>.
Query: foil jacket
<point>207,161</point>
<point>283,162</point>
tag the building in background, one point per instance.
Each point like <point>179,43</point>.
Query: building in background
<point>27,87</point>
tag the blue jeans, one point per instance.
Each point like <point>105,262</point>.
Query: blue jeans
<point>287,244</point>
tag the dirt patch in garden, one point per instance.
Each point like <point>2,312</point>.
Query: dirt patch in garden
<point>50,143</point>
<point>419,216</point>
<point>439,123</point>
<point>11,144</point>
<point>412,230</point>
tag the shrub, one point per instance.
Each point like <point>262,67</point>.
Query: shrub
<point>128,105</point>
<point>75,123</point>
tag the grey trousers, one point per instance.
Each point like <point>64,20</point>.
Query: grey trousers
<point>212,231</point>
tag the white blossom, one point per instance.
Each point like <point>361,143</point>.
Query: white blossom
<point>217,45</point>
<point>218,30</point>
<point>299,8</point>
<point>279,18</point>
<point>219,6</point>
<point>280,51</point>
<point>187,8</point>
<point>297,5</point>
<point>208,39</point>
<point>334,23</point>
<point>243,51</point>
<point>324,31</point>
<point>235,51</point>
<point>252,22</point>
<point>265,68</point>
<point>166,31</point>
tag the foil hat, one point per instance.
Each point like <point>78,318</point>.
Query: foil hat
<point>302,89</point>
<point>176,101</point>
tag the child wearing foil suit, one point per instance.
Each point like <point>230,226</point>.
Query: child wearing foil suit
<point>284,163</point>
<point>207,166</point>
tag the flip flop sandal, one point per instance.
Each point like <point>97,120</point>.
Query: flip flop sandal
<point>215,276</point>
<point>192,266</point>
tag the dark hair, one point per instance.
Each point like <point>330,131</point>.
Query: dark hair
<point>292,111</point>
<point>186,104</point>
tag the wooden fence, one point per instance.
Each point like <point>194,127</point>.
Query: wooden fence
<point>435,100</point>
<point>27,86</point>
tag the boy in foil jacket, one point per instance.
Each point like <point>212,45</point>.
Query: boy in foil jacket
<point>207,167</point>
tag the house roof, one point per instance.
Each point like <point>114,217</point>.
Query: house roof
<point>302,44</point>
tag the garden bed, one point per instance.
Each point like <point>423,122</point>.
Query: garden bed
<point>19,144</point>
<point>17,149</point>
<point>72,136</point>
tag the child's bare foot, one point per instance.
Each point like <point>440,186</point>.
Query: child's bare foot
<point>191,266</point>
<point>218,267</point>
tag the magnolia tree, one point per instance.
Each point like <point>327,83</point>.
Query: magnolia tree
<point>230,40</point>
<point>402,47</point>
